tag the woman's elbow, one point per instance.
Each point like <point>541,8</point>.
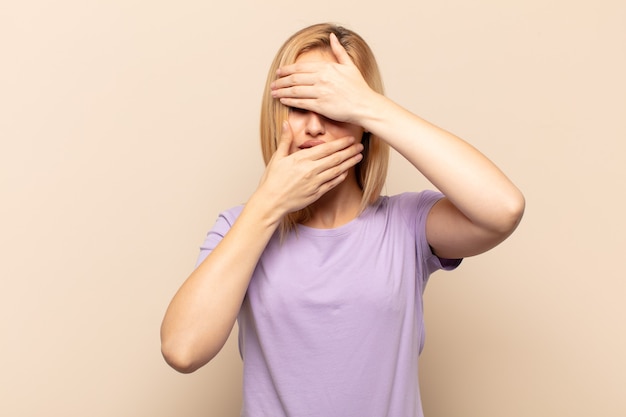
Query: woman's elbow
<point>178,362</point>
<point>183,358</point>
<point>511,214</point>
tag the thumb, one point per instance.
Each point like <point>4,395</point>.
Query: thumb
<point>286,137</point>
<point>339,51</point>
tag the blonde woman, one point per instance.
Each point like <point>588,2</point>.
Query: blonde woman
<point>323,274</point>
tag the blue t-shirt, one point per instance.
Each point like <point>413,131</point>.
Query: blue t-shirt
<point>332,323</point>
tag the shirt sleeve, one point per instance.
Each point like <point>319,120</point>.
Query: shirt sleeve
<point>425,202</point>
<point>222,225</point>
<point>415,208</point>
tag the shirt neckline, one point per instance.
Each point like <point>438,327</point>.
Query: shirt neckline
<point>339,230</point>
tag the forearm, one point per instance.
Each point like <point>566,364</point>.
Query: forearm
<point>469,179</point>
<point>203,312</point>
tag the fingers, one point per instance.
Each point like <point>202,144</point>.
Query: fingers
<point>286,138</point>
<point>296,90</point>
<point>323,162</point>
<point>297,180</point>
<point>330,148</point>
<point>293,80</point>
<point>306,104</point>
<point>308,68</point>
<point>339,51</point>
<point>300,68</point>
<point>342,161</point>
<point>336,174</point>
<point>336,163</point>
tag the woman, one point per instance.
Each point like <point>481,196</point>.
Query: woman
<point>325,276</point>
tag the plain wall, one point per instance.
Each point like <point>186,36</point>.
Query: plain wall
<point>126,126</point>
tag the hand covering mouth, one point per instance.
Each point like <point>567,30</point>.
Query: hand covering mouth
<point>311,143</point>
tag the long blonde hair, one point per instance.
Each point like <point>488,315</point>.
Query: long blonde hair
<point>371,172</point>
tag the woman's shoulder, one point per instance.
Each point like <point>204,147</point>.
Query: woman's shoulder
<point>411,201</point>
<point>409,208</point>
<point>226,218</point>
<point>233,212</point>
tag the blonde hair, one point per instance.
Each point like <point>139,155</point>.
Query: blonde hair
<point>371,172</point>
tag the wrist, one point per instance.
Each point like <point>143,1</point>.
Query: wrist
<point>264,209</point>
<point>372,113</point>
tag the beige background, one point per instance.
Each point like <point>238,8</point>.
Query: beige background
<point>126,126</point>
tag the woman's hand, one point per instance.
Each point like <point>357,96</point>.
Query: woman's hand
<point>335,90</point>
<point>293,181</point>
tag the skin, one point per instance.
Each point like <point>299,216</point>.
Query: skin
<point>340,204</point>
<point>332,105</point>
<point>459,225</point>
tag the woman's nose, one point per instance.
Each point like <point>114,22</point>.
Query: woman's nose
<point>315,124</point>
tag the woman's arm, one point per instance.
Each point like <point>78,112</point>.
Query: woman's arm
<point>203,312</point>
<point>482,206</point>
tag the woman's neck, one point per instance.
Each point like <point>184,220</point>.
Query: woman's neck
<point>337,207</point>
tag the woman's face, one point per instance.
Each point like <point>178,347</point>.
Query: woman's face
<point>310,129</point>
